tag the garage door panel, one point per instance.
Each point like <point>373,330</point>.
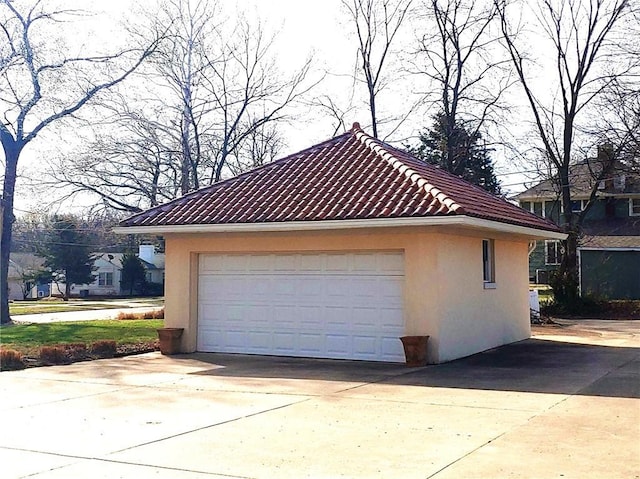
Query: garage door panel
<point>391,289</point>
<point>309,287</point>
<point>337,263</point>
<point>311,263</point>
<point>390,348</point>
<point>284,343</point>
<point>390,263</point>
<point>338,345</point>
<point>313,305</point>
<point>365,346</point>
<point>284,317</point>
<point>310,343</point>
<point>286,263</point>
<point>364,263</point>
<point>234,263</point>
<point>311,317</point>
<point>360,318</point>
<point>364,287</point>
<point>260,341</point>
<point>388,320</point>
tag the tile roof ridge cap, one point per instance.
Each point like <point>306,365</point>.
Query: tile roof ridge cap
<point>407,171</point>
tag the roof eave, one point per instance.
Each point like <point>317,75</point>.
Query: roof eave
<point>458,220</point>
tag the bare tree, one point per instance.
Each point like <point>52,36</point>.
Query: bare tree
<point>40,86</point>
<point>133,162</point>
<point>465,77</point>
<point>183,63</point>
<point>229,88</point>
<point>588,55</point>
<point>376,24</point>
<point>338,114</point>
<point>248,92</point>
<point>618,120</point>
<point>263,145</point>
<point>211,104</point>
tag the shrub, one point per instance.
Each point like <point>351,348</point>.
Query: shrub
<point>75,351</point>
<point>155,314</point>
<point>50,355</point>
<point>104,348</point>
<point>10,360</point>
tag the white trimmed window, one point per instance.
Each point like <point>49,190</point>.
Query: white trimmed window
<point>538,208</point>
<point>488,262</point>
<point>105,279</point>
<point>634,206</point>
<point>552,252</point>
<point>578,205</point>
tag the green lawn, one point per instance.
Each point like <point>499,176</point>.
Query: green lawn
<point>28,338</point>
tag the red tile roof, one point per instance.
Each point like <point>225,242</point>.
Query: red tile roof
<point>352,176</point>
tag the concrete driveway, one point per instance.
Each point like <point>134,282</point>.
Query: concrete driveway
<point>563,404</point>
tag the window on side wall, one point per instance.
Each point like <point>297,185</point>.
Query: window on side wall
<point>488,263</point>
<point>552,252</point>
<point>634,206</point>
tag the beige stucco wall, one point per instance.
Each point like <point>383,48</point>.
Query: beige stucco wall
<point>444,294</point>
<point>473,318</point>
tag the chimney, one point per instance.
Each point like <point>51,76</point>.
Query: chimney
<point>147,252</point>
<point>605,152</point>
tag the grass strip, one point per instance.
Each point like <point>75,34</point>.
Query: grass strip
<point>27,338</point>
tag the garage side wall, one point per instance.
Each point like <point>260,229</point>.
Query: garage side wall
<point>475,318</point>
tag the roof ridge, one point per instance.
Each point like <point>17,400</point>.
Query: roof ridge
<point>406,170</point>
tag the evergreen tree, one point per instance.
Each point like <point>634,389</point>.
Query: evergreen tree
<point>134,274</point>
<point>458,151</point>
<point>67,252</point>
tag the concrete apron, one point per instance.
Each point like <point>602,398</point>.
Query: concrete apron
<point>539,408</point>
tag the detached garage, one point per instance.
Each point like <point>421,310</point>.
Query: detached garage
<point>339,250</point>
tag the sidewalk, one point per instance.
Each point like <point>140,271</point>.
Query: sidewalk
<point>80,315</point>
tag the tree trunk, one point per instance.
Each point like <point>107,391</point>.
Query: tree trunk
<point>67,288</point>
<point>372,108</point>
<point>12,151</point>
<point>568,272</point>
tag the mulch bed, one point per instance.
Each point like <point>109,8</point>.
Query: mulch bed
<point>74,355</point>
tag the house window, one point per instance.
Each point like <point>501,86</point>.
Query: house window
<point>578,206</point>
<point>488,262</point>
<point>105,279</point>
<point>538,209</point>
<point>552,252</point>
<point>634,206</point>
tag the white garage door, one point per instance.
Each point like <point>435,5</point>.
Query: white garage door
<point>323,305</point>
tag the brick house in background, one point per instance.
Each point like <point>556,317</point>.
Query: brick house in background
<point>609,249</point>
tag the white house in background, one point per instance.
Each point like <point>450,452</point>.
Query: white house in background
<point>153,262</point>
<point>108,274</point>
<point>21,265</point>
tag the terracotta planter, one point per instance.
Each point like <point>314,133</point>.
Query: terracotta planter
<point>415,350</point>
<point>170,340</point>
